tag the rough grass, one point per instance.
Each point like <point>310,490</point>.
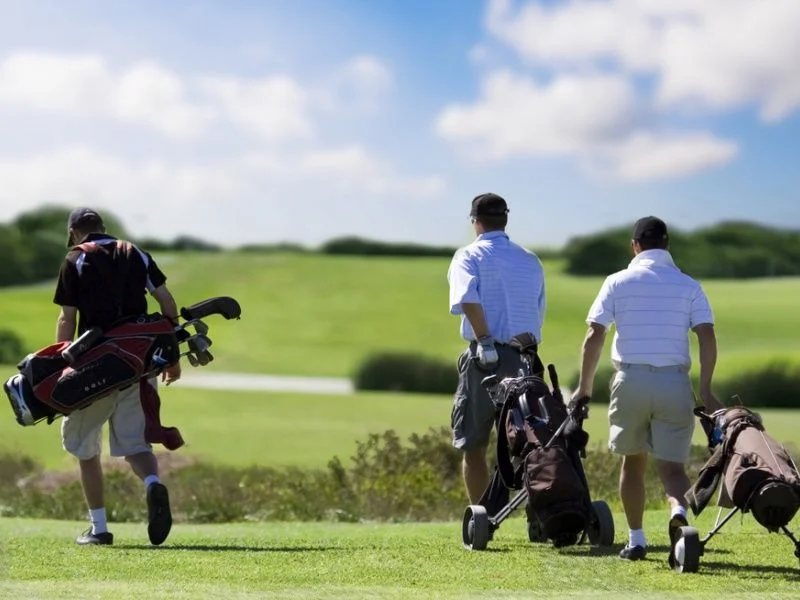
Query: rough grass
<point>320,315</point>
<point>379,561</point>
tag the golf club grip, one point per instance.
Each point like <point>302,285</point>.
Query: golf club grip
<point>551,371</point>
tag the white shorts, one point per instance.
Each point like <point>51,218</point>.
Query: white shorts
<point>81,431</point>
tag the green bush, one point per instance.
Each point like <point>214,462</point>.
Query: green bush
<point>363,247</point>
<point>404,372</point>
<point>11,348</point>
<point>386,480</point>
<point>601,391</point>
<point>771,384</point>
<point>775,384</point>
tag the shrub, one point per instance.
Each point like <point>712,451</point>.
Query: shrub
<point>772,384</point>
<point>403,372</point>
<point>601,391</point>
<point>363,247</point>
<point>11,348</point>
<point>386,480</point>
<point>775,384</point>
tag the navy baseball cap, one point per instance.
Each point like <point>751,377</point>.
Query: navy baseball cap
<point>486,205</point>
<point>81,217</point>
<point>650,228</point>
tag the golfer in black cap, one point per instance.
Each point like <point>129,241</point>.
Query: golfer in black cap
<point>497,288</point>
<point>653,306</point>
<point>102,280</point>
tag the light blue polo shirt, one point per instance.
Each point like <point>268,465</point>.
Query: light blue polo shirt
<point>506,279</point>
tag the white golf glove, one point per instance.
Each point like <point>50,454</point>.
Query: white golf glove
<point>486,351</point>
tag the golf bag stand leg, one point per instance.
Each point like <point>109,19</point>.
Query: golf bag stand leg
<point>792,537</point>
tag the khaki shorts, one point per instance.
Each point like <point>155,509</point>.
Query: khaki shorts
<point>81,431</point>
<point>651,412</point>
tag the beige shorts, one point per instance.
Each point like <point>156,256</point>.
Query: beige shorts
<point>651,410</point>
<point>81,431</point>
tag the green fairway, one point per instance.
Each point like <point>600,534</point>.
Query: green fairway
<point>380,561</point>
<point>318,315</point>
<point>273,428</point>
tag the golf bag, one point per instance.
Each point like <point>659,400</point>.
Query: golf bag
<point>758,474</point>
<point>68,376</point>
<point>539,447</point>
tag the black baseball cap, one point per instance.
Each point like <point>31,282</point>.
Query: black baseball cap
<point>80,217</point>
<point>650,228</point>
<point>486,205</point>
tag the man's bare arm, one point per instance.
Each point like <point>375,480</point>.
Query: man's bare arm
<point>169,308</point>
<point>708,361</point>
<point>66,324</point>
<point>590,358</point>
<point>166,302</point>
<point>476,318</point>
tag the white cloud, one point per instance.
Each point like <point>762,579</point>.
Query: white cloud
<point>275,107</point>
<point>84,85</point>
<point>359,86</point>
<point>368,74</point>
<point>515,115</point>
<point>646,155</point>
<point>596,119</point>
<point>156,197</point>
<point>347,168</point>
<point>715,54</point>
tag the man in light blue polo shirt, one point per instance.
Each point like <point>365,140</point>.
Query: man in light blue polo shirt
<point>497,288</point>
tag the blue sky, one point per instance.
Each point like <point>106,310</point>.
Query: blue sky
<point>303,120</point>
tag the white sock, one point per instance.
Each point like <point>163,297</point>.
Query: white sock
<point>98,517</point>
<point>150,480</point>
<point>636,538</point>
<point>678,510</point>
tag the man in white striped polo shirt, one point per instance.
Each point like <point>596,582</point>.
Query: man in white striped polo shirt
<point>497,288</point>
<point>653,305</point>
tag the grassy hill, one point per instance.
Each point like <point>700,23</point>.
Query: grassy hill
<point>319,315</point>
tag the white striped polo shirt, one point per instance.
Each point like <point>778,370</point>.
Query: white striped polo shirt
<point>653,305</point>
<point>506,279</point>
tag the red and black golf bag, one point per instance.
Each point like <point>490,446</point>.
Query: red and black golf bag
<point>68,376</point>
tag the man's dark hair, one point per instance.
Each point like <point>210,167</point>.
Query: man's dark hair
<point>490,210</point>
<point>646,244</point>
<point>493,222</point>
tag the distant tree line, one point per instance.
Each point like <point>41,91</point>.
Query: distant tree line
<point>33,246</point>
<point>731,250</point>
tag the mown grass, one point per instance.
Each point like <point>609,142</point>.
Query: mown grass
<point>297,429</point>
<point>320,315</point>
<point>323,560</point>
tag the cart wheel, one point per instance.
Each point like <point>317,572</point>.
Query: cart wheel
<point>535,533</point>
<point>687,550</point>
<point>601,527</point>
<point>475,528</point>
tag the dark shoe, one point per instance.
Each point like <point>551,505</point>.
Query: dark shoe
<point>675,523</point>
<point>88,538</point>
<point>633,552</point>
<point>158,513</point>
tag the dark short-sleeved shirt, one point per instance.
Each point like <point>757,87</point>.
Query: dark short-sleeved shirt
<point>107,284</point>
